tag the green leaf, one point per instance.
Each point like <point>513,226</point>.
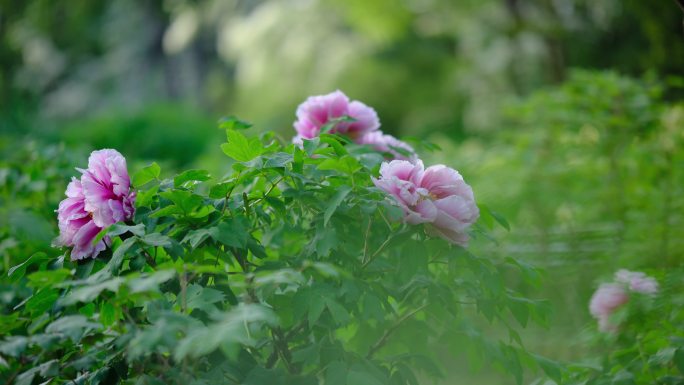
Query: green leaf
<point>194,176</point>
<point>10,321</point>
<point>87,293</point>
<point>150,282</point>
<point>220,190</point>
<point>678,360</point>
<point>13,346</point>
<point>45,278</point>
<point>146,174</point>
<point>240,148</point>
<point>156,239</point>
<point>501,220</point>
<point>145,197</point>
<point>346,165</point>
<point>233,123</point>
<point>232,233</point>
<point>339,313</point>
<point>256,248</point>
<point>308,354</point>
<point>336,373</point>
<point>41,301</point>
<point>325,240</point>
<point>19,270</point>
<point>310,145</point>
<point>327,127</point>
<point>231,328</point>
<point>109,314</point>
<point>372,307</point>
<point>118,255</point>
<point>184,200</point>
<point>196,237</point>
<point>551,368</point>
<point>332,205</point>
<point>310,302</point>
<point>203,298</point>
<point>356,377</point>
<point>74,326</point>
<point>334,142</point>
<point>118,229</point>
<point>520,310</point>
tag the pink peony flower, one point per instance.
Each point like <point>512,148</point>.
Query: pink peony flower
<point>607,298</point>
<point>100,198</point>
<point>637,281</point>
<point>76,226</point>
<point>401,179</point>
<point>455,202</point>
<point>317,111</point>
<point>106,187</point>
<point>388,144</point>
<point>438,196</point>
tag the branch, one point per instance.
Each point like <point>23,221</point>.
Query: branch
<point>281,350</point>
<point>382,246</point>
<point>149,258</point>
<point>383,340</point>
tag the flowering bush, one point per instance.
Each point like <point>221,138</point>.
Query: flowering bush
<point>312,263</point>
<point>640,339</point>
<point>611,296</point>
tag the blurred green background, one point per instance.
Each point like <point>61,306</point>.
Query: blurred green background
<point>564,115</point>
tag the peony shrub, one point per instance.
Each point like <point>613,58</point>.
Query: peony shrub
<point>639,339</point>
<point>609,297</point>
<point>324,261</point>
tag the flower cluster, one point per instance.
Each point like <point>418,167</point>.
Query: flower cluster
<point>611,296</point>
<point>350,118</point>
<point>437,196</point>
<point>99,199</point>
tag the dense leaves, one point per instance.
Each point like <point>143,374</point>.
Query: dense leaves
<point>292,269</point>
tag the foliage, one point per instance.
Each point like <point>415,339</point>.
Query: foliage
<point>293,268</point>
<point>648,345</point>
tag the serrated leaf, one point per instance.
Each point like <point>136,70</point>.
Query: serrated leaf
<point>146,174</point>
<point>310,302</point>
<point>156,239</point>
<point>196,237</point>
<point>240,148</point>
<point>230,233</point>
<point>332,205</point>
<point>203,298</point>
<point>191,176</point>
